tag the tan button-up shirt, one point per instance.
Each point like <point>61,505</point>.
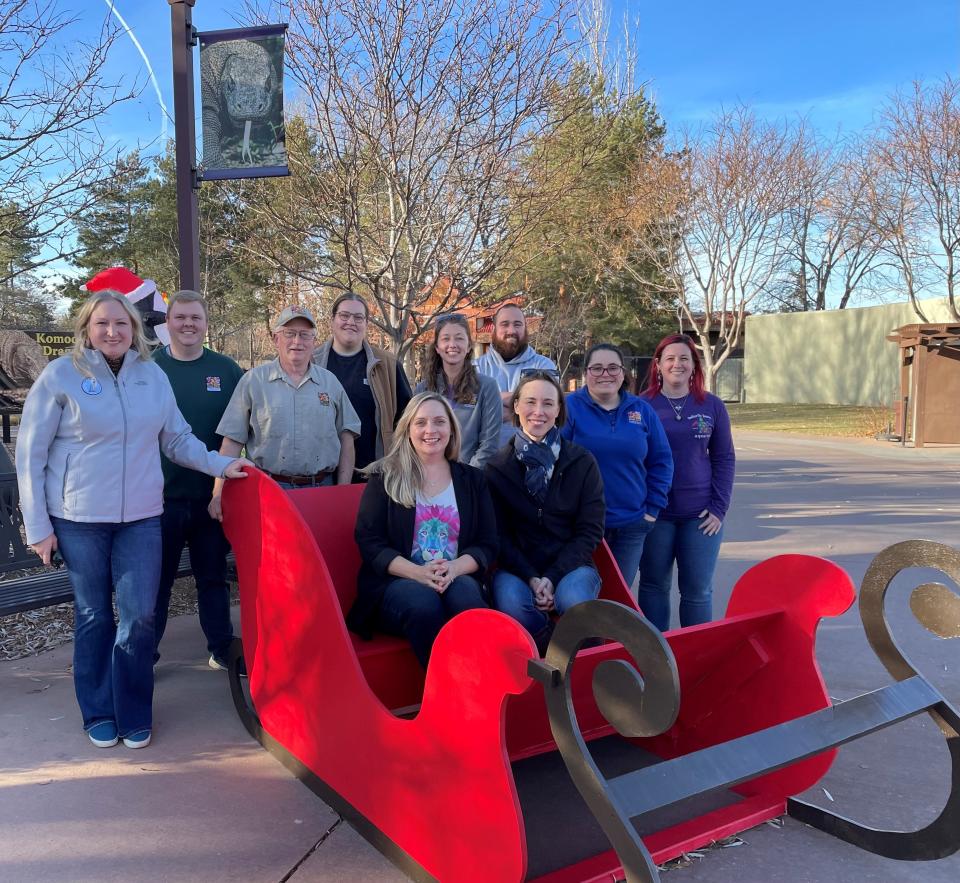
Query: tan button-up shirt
<point>289,429</point>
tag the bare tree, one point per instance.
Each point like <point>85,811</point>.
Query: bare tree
<point>421,115</point>
<point>714,219</point>
<point>917,190</point>
<point>564,331</point>
<point>834,241</point>
<point>614,61</point>
<point>53,91</point>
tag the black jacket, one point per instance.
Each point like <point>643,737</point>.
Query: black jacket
<point>385,530</point>
<point>554,539</point>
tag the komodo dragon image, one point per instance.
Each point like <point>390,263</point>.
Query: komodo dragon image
<point>241,104</point>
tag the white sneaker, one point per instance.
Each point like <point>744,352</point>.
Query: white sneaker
<point>137,740</point>
<point>103,734</point>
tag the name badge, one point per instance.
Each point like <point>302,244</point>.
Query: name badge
<point>91,386</point>
<point>324,398</point>
<point>213,384</point>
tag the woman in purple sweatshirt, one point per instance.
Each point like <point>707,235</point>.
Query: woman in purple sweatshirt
<point>690,529</point>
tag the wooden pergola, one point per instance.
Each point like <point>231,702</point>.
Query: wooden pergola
<point>929,407</point>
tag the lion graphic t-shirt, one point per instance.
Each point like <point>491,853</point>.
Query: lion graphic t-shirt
<point>436,527</point>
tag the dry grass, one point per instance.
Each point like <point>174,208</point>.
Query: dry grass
<point>837,420</point>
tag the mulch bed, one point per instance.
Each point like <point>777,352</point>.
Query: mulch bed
<point>36,631</point>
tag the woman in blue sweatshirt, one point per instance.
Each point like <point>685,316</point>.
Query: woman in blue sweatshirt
<point>625,435</point>
<point>691,526</point>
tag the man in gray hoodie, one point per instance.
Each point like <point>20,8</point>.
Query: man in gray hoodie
<point>509,356</point>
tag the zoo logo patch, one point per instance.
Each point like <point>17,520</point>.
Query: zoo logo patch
<point>324,398</point>
<point>91,386</point>
<point>635,417</point>
<point>703,427</point>
<point>213,384</point>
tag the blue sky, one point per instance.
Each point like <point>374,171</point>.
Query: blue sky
<point>833,62</point>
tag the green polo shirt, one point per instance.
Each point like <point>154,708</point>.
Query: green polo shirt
<point>288,429</point>
<point>203,388</point>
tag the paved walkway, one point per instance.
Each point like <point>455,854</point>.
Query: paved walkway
<point>205,803</point>
<point>846,500</point>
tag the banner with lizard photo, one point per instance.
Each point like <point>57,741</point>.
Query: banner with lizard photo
<point>241,93</point>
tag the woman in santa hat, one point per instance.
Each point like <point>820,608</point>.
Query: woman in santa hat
<point>91,491</point>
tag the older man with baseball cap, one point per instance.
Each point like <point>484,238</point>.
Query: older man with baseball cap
<point>293,416</point>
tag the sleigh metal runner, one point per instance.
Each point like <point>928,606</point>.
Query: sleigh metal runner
<point>620,749</point>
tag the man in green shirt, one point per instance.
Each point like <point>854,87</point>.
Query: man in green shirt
<point>203,382</point>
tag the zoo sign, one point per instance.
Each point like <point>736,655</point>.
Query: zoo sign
<point>241,92</point>
<point>54,343</point>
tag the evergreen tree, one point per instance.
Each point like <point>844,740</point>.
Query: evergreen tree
<point>115,232</point>
<point>233,275</point>
<point>133,224</point>
<point>568,269</point>
<point>24,301</point>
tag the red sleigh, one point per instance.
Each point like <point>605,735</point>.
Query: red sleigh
<point>499,766</point>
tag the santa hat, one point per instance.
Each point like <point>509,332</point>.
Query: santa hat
<point>141,292</point>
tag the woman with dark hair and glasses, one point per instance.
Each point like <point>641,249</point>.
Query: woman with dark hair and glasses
<point>548,495</point>
<point>475,399</point>
<point>372,377</point>
<point>690,528</point>
<point>625,435</point>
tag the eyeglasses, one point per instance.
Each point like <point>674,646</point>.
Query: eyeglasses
<point>600,370</point>
<point>350,317</point>
<point>289,334</point>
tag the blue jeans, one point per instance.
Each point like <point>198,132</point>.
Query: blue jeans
<point>696,556</point>
<point>113,664</point>
<point>513,596</point>
<point>416,612</point>
<point>187,521</point>
<point>626,544</point>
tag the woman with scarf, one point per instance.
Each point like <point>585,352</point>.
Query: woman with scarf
<point>548,496</point>
<point>475,399</point>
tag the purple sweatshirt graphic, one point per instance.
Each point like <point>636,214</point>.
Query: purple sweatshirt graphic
<point>703,457</point>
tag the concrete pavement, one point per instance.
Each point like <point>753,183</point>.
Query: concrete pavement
<point>847,500</point>
<point>205,803</point>
<point>202,803</point>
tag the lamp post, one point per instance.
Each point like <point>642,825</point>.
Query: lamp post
<point>188,225</point>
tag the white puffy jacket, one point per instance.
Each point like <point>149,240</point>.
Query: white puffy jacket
<point>88,447</point>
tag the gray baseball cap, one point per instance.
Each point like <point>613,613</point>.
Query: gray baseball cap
<point>288,314</point>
